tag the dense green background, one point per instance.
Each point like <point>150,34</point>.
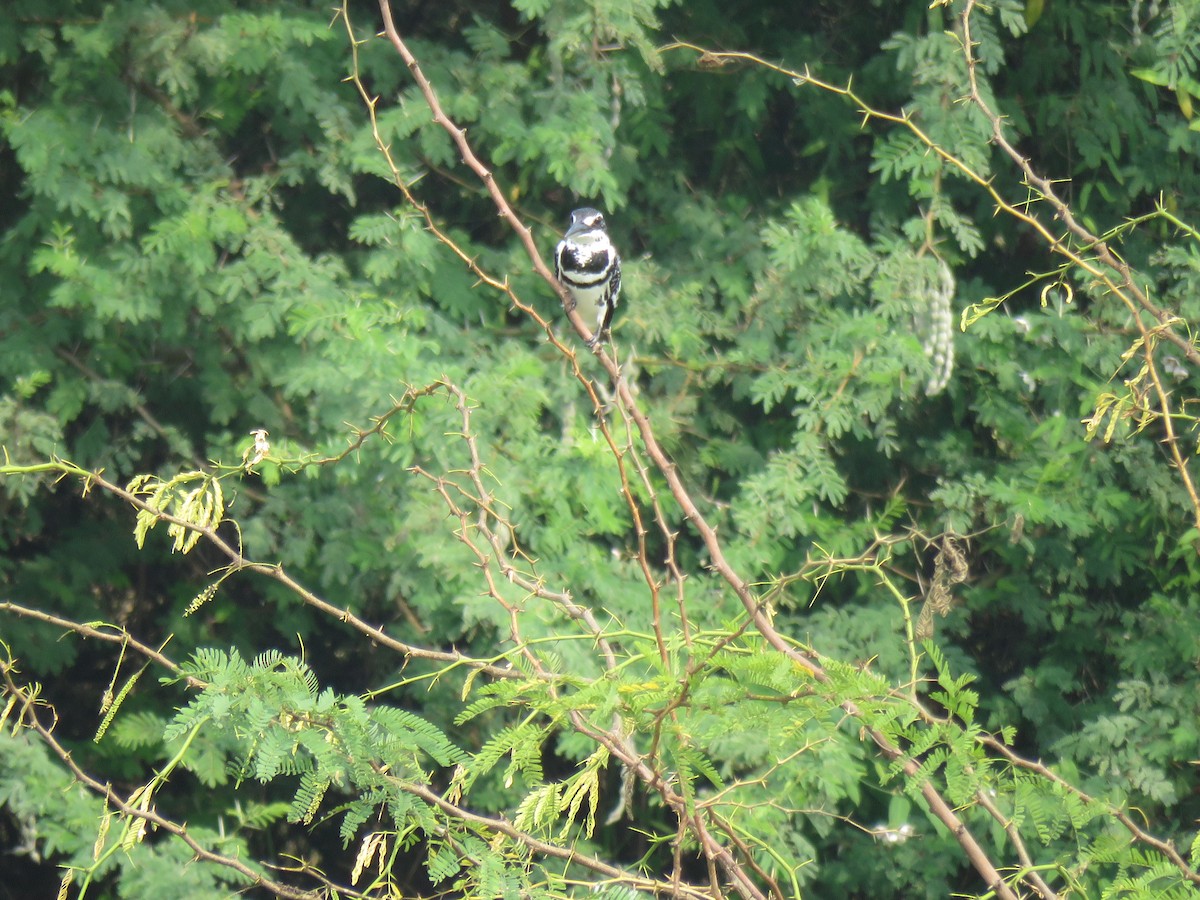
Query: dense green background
<point>201,237</point>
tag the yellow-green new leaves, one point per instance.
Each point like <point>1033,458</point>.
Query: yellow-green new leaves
<point>543,808</point>
<point>1135,404</point>
<point>190,502</point>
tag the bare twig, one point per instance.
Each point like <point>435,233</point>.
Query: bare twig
<point>116,635</point>
<point>238,562</point>
<point>692,513</point>
<point>1115,274</point>
<point>1111,272</point>
<point>148,815</point>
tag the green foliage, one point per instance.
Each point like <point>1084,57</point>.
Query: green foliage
<point>282,723</point>
<point>203,242</point>
<point>56,815</point>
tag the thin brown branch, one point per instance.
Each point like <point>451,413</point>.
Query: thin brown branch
<point>149,815</point>
<point>707,533</point>
<point>238,562</point>
<point>482,500</point>
<point>1124,286</point>
<point>1164,319</point>
<point>117,635</point>
<point>571,854</point>
<point>404,404</point>
<point>1166,848</point>
<point>484,277</point>
<point>1029,872</point>
<point>670,537</point>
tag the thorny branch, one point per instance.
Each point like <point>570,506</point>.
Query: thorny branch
<point>28,718</point>
<point>501,285</point>
<point>492,555</point>
<point>1117,279</point>
<point>556,851</point>
<point>1111,271</point>
<point>1122,285</point>
<point>108,633</point>
<point>614,741</point>
<point>1089,252</point>
<point>136,811</point>
<point>499,541</point>
<point>1116,275</point>
<point>235,561</point>
<point>691,511</point>
<point>1166,848</point>
<point>1107,268</point>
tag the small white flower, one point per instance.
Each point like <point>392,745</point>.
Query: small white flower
<point>254,455</point>
<point>894,835</point>
<point>1173,367</point>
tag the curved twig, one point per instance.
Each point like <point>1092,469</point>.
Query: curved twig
<point>148,815</point>
<point>691,512</point>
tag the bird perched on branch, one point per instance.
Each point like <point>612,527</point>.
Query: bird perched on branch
<point>588,265</point>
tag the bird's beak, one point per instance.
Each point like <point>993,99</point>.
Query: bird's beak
<point>577,228</point>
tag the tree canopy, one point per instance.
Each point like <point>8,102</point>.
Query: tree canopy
<point>862,562</point>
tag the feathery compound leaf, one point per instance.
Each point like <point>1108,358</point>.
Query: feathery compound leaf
<point>195,248</point>
<point>441,862</point>
<point>410,731</point>
<point>308,797</point>
<point>539,810</point>
<point>523,742</point>
<point>138,729</point>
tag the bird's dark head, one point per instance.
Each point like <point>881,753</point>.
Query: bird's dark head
<point>584,221</point>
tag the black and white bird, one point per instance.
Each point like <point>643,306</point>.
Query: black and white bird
<point>588,265</point>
